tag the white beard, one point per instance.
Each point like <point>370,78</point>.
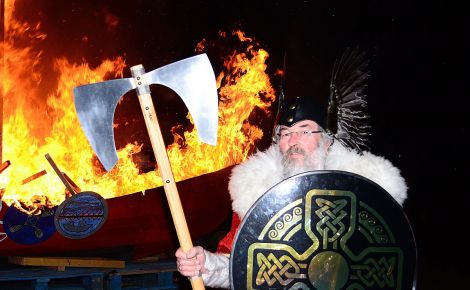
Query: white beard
<point>314,161</point>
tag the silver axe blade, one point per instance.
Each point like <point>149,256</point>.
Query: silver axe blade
<point>191,78</point>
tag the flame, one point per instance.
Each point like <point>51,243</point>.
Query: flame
<point>33,127</point>
<point>238,99</point>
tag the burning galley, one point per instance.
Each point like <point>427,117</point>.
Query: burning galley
<point>57,196</point>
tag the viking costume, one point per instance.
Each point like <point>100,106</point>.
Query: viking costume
<point>264,169</point>
<point>344,121</point>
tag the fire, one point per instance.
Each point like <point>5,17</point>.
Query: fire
<point>35,125</point>
<point>238,98</point>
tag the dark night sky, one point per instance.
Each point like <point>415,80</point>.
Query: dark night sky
<point>415,89</point>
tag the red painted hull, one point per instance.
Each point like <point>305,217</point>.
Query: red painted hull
<point>140,225</point>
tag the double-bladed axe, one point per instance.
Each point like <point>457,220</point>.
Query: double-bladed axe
<point>193,80</point>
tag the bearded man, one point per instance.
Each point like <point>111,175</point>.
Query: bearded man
<point>304,141</point>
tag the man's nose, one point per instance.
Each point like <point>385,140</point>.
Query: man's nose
<point>294,139</point>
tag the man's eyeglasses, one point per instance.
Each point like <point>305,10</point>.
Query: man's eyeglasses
<point>284,135</point>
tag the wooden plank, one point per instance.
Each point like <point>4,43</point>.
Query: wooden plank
<point>33,177</point>
<point>62,262</point>
<point>4,165</point>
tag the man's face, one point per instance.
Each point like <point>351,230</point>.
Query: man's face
<point>298,143</point>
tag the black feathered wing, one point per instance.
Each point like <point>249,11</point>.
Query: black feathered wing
<point>347,117</point>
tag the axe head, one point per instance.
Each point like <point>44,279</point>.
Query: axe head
<point>192,79</point>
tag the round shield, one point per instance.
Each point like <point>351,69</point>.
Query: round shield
<point>29,229</point>
<point>81,215</point>
<point>324,230</point>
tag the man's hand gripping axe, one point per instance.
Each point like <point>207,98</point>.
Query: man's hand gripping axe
<point>193,80</point>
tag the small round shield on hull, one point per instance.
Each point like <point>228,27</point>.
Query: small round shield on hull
<point>29,229</point>
<point>324,230</point>
<point>81,215</point>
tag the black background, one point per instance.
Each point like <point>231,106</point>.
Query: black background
<point>415,92</point>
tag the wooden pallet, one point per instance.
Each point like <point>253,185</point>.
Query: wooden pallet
<point>135,275</point>
<point>62,262</point>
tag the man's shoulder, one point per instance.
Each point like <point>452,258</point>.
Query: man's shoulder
<point>374,167</point>
<point>250,179</point>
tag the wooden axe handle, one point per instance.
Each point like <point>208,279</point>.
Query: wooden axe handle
<point>169,184</point>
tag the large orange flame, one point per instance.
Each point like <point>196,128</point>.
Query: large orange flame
<point>32,128</point>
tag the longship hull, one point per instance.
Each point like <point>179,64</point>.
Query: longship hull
<point>137,225</point>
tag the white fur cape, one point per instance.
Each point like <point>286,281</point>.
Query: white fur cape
<point>260,172</point>
<point>249,180</point>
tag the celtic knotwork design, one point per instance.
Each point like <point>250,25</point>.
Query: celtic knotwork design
<point>280,270</point>
<point>322,239</point>
<point>377,272</point>
<point>333,218</point>
<point>331,215</point>
<point>333,212</point>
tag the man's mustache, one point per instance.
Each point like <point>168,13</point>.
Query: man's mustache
<point>295,150</point>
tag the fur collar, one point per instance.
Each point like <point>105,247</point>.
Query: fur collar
<point>250,179</point>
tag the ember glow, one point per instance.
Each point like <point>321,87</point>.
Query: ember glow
<point>35,125</point>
